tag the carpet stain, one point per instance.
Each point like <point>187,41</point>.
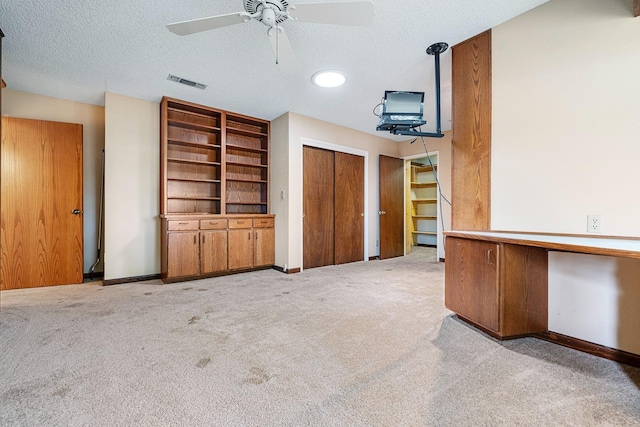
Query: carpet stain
<point>259,377</point>
<point>285,293</point>
<point>105,312</point>
<point>148,293</point>
<point>186,289</point>
<point>193,320</point>
<point>75,304</point>
<point>61,392</point>
<point>203,362</point>
<point>202,290</point>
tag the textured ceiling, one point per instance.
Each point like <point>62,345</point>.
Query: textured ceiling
<point>79,50</point>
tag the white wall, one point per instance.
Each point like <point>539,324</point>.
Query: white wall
<point>565,144</point>
<point>443,147</point>
<point>279,182</point>
<point>91,117</point>
<point>596,299</point>
<point>566,130</point>
<point>132,225</point>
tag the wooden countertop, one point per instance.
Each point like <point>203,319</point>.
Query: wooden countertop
<point>627,247</point>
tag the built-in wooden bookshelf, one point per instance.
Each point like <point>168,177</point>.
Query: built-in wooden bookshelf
<point>214,197</point>
<point>212,161</point>
<point>247,165</point>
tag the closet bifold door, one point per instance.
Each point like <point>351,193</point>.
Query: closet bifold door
<point>349,208</point>
<point>318,207</point>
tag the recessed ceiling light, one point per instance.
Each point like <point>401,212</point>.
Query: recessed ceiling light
<point>328,78</point>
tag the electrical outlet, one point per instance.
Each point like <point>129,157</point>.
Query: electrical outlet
<point>594,224</point>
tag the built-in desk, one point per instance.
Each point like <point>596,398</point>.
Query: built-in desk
<point>498,281</point>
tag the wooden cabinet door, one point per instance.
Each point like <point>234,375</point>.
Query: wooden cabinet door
<point>213,251</point>
<point>240,248</point>
<point>183,254</point>
<point>471,281</point>
<point>264,247</point>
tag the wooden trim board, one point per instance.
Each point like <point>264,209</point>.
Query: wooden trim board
<point>591,348</point>
<point>130,279</point>
<point>288,271</point>
<point>570,342</point>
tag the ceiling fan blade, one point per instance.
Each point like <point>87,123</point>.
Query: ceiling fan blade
<point>285,57</point>
<point>357,13</point>
<point>185,28</point>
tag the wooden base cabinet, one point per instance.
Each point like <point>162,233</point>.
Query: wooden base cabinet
<point>499,287</point>
<point>203,246</point>
<point>251,243</point>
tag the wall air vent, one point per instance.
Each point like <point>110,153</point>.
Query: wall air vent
<point>186,82</point>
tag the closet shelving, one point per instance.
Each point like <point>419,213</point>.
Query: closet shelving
<point>423,204</point>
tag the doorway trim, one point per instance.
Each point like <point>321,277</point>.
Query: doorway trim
<point>343,149</point>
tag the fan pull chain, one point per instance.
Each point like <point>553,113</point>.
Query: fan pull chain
<point>277,45</point>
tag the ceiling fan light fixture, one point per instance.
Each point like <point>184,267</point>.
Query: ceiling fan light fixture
<point>328,78</point>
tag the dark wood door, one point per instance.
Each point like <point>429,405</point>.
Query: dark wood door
<point>391,207</point>
<point>41,186</point>
<point>318,207</point>
<point>349,208</point>
<point>471,277</point>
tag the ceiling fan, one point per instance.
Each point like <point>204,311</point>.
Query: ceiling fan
<point>272,13</point>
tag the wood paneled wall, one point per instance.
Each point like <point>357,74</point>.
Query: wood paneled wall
<point>471,139</point>
<point>1,36</point>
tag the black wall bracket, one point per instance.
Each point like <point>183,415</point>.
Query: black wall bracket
<point>435,50</point>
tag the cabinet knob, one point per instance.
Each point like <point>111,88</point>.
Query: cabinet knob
<point>489,261</point>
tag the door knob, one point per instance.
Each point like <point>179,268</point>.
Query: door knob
<point>76,211</point>
<point>382,213</point>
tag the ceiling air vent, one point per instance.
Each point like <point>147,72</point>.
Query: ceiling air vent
<point>186,82</point>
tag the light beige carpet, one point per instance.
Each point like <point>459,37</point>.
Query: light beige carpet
<point>364,344</point>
